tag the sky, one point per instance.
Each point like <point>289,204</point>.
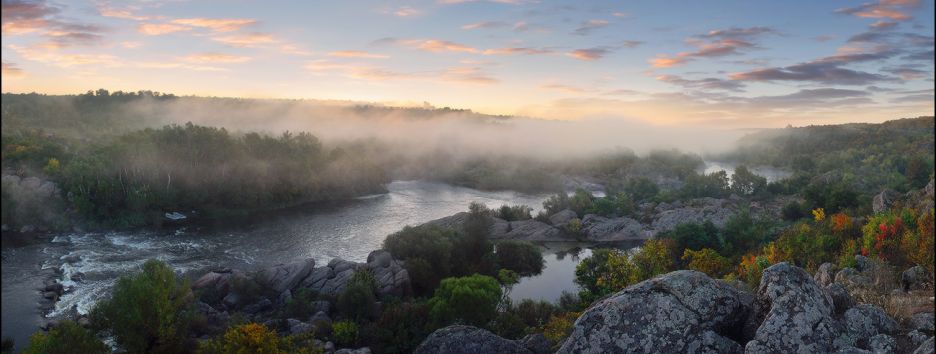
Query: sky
<point>731,64</point>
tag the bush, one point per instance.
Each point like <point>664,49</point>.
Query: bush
<point>150,311</point>
<point>534,313</point>
<point>358,301</point>
<point>514,213</point>
<point>427,252</point>
<point>250,338</point>
<point>792,211</point>
<point>472,299</point>
<point>345,332</point>
<point>752,268</point>
<point>65,338</point>
<point>641,189</point>
<point>707,261</point>
<point>402,326</point>
<point>300,305</point>
<point>694,236</point>
<point>522,257</point>
<point>556,203</point>
<point>559,327</point>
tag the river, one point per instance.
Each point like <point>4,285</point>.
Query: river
<point>349,230</point>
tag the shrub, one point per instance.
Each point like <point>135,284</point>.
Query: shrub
<point>707,261</point>
<point>248,338</point>
<point>472,299</point>
<point>556,203</point>
<point>427,252</point>
<point>522,257</point>
<point>694,236</point>
<point>752,268</point>
<point>358,301</point>
<point>65,338</point>
<point>402,326</point>
<point>641,189</point>
<point>514,213</point>
<point>792,211</point>
<point>150,311</point>
<point>559,327</point>
<point>300,305</point>
<point>534,313</point>
<point>345,332</point>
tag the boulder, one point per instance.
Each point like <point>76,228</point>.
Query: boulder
<point>840,298</point>
<point>863,264</point>
<point>926,348</point>
<point>221,281</point>
<point>56,288</point>
<point>915,278</point>
<point>796,312</point>
<point>916,338</point>
<point>865,321</point>
<point>298,327</point>
<point>389,275</point>
<point>599,228</point>
<point>529,230</point>
<point>284,277</point>
<point>320,318</point>
<point>562,218</point>
<point>882,344</point>
<point>364,350</point>
<point>885,200</point>
<point>460,339</point>
<point>682,311</point>
<point>922,322</point>
<point>259,306</point>
<point>536,343</point>
<point>825,275</point>
<point>852,279</point>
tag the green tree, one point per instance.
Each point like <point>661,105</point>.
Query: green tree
<point>65,338</point>
<point>472,300</point>
<point>641,189</point>
<point>745,182</point>
<point>358,300</point>
<point>149,312</point>
<point>522,257</point>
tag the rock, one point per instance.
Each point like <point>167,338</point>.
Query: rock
<point>321,306</point>
<point>926,348</point>
<point>320,317</point>
<point>389,275</point>
<point>682,311</point>
<point>882,344</point>
<point>599,228</point>
<point>865,321</point>
<point>297,327</point>
<point>379,259</point>
<point>71,258</point>
<point>915,278</point>
<point>231,300</point>
<point>51,295</point>
<point>458,339</point>
<point>56,288</point>
<point>840,298</point>
<point>284,277</point>
<point>220,282</point>
<point>797,314</point>
<point>884,201</point>
<point>922,321</point>
<point>284,297</point>
<point>536,343</point>
<point>84,322</point>
<point>863,264</point>
<point>916,338</point>
<point>364,350</point>
<point>851,279</point>
<point>259,306</point>
<point>27,229</point>
<point>329,347</point>
<point>825,275</point>
<point>562,218</point>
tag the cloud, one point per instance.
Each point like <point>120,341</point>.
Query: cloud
<point>126,14</point>
<point>356,54</point>
<point>908,73</point>
<point>158,29</point>
<point>715,43</point>
<point>510,2</point>
<point>631,44</point>
<point>824,38</point>
<point>590,54</point>
<point>406,11</point>
<point>471,75</point>
<point>216,25</point>
<point>432,45</point>
<point>883,24</point>
<point>824,97</point>
<point>52,56</point>
<point>22,17</point>
<point>215,58</point>
<point>621,14</point>
<point>926,55</point>
<point>176,65</point>
<point>827,70</point>
<point>485,25</point>
<point>248,40</point>
<point>710,83</point>
<point>516,51</point>
<point>588,26</point>
<point>564,88</point>
<point>897,10</point>
<point>11,70</point>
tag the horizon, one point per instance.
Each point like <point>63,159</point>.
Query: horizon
<point>767,66</point>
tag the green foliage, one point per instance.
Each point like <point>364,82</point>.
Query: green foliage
<point>472,300</point>
<point>556,203</point>
<point>522,257</point>
<point>513,212</point>
<point>608,271</point>
<point>613,205</point>
<point>6,346</point>
<point>345,332</point>
<point>65,338</point>
<point>252,338</point>
<point>474,253</point>
<point>745,182</point>
<point>694,236</point>
<point>581,201</point>
<point>358,301</point>
<point>402,326</point>
<point>427,253</point>
<point>559,327</point>
<point>832,197</point>
<point>742,233</point>
<point>707,261</point>
<point>150,311</point>
<point>714,185</point>
<point>300,305</point>
<point>793,211</point>
<point>641,189</point>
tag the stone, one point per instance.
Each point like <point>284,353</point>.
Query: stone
<point>916,338</point>
<point>850,278</point>
<point>321,306</point>
<point>915,278</point>
<point>459,339</point>
<point>562,218</point>
<point>796,312</point>
<point>840,298</point>
<point>682,311</point>
<point>320,317</point>
<point>882,344</point>
<point>536,343</point>
<point>825,275</point>
<point>56,288</point>
<point>884,201</point>
<point>364,350</point>
<point>259,306</point>
<point>298,327</point>
<point>231,300</point>
<point>599,228</point>
<point>922,321</point>
<point>379,259</point>
<point>865,321</point>
<point>926,348</point>
<point>863,264</point>
<point>284,277</point>
<point>284,297</point>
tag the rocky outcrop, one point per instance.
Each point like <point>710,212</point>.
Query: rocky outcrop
<point>562,218</point>
<point>599,228</point>
<point>825,275</point>
<point>915,278</point>
<point>221,282</point>
<point>683,311</point>
<point>282,277</point>
<point>885,200</point>
<point>796,313</point>
<point>389,275</point>
<point>528,230</point>
<point>468,340</point>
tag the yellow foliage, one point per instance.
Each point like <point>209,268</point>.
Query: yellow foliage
<point>559,326</point>
<point>707,261</point>
<point>819,214</point>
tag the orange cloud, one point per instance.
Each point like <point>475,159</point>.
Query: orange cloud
<point>515,51</point>
<point>589,54</point>
<point>11,70</point>
<point>216,25</point>
<point>356,54</point>
<point>666,62</point>
<point>564,88</point>
<point>158,29</point>
<point>246,40</point>
<point>896,10</point>
<point>406,11</point>
<point>120,13</point>
<point>438,46</point>
<point>215,58</point>
<point>50,55</point>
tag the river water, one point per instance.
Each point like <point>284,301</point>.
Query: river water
<point>349,230</point>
